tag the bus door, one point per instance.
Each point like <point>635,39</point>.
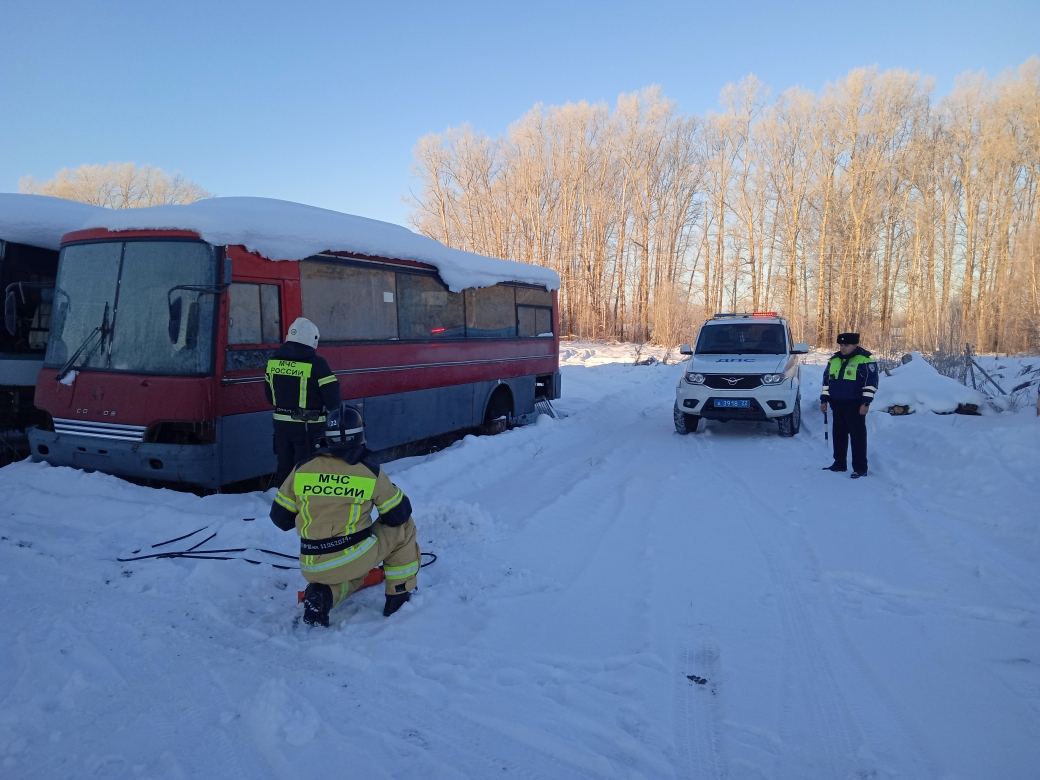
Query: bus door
<point>254,332</point>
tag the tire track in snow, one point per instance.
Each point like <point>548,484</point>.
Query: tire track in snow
<point>778,552</point>
<point>594,476</point>
<point>506,466</point>
<point>832,726</point>
<point>694,708</point>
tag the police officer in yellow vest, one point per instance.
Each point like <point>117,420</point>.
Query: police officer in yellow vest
<point>301,387</point>
<point>329,499</point>
<point>849,383</point>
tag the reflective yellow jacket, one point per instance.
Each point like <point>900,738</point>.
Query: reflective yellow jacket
<point>330,503</point>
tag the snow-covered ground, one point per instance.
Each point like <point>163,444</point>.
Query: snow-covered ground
<point>589,566</point>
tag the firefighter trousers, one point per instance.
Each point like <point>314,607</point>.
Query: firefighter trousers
<point>850,424</point>
<point>291,442</point>
<point>398,551</point>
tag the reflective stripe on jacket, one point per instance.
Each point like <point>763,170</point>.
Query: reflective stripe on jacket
<point>298,380</point>
<point>851,377</point>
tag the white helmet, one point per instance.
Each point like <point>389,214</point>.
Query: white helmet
<point>303,331</point>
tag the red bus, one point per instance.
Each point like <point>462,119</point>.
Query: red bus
<point>159,339</point>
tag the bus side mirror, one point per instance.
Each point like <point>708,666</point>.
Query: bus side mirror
<point>685,349</point>
<point>11,313</point>
<point>175,319</point>
<point>227,271</point>
<point>58,320</point>
<point>191,331</point>
<point>801,348</point>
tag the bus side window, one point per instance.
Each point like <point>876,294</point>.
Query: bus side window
<point>270,314</point>
<point>255,315</point>
<point>349,303</point>
<point>533,312</point>
<point>427,310</point>
<point>534,321</point>
<point>531,297</point>
<point>491,312</point>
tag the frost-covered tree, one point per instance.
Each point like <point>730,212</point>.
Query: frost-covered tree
<point>117,186</point>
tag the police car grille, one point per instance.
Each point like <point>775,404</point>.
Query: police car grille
<point>723,381</point>
<point>100,430</point>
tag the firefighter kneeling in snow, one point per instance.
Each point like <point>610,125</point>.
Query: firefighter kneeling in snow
<point>329,499</point>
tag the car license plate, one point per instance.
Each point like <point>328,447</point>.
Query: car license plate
<point>733,403</point>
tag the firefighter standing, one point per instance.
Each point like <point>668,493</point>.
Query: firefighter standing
<point>329,500</point>
<point>300,386</point>
<point>849,383</point>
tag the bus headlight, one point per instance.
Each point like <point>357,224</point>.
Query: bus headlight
<point>695,379</point>
<point>773,379</point>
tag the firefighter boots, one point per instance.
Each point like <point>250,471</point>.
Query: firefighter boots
<point>394,601</point>
<point>317,601</point>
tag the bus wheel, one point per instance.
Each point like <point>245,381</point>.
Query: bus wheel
<point>499,410</point>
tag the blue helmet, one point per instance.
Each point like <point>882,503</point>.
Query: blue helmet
<point>344,428</point>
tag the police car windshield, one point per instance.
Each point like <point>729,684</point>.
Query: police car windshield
<point>132,279</point>
<point>742,338</point>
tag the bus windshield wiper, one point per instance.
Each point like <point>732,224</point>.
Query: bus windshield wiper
<point>103,329</point>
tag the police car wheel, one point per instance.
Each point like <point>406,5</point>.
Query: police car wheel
<point>791,423</point>
<point>684,423</point>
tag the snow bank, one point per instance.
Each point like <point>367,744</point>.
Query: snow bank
<point>917,385</point>
<point>281,230</point>
<point>591,353</point>
<point>39,220</point>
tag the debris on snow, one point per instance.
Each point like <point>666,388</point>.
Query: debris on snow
<point>917,386</point>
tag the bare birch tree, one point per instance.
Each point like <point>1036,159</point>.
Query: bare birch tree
<point>867,207</point>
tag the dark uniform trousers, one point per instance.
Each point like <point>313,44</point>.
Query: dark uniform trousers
<point>293,442</point>
<point>849,424</point>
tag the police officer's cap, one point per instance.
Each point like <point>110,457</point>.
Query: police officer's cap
<point>848,338</point>
<point>344,427</point>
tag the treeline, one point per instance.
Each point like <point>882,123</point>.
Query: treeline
<point>867,207</point>
<point>117,186</point>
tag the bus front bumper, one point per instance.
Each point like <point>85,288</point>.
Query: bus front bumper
<point>197,464</point>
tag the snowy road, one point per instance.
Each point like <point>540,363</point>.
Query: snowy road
<point>589,566</point>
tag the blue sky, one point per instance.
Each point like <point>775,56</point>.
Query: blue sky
<point>322,102</point>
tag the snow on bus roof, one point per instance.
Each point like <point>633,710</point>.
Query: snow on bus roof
<point>40,220</point>
<point>282,230</point>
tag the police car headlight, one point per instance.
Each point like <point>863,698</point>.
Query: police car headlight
<point>773,379</point>
<point>695,379</point>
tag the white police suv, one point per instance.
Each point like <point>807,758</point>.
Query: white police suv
<point>744,367</point>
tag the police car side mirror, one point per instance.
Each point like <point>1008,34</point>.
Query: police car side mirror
<point>685,349</point>
<point>801,348</point>
<point>11,313</point>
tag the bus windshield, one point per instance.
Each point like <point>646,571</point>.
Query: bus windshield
<point>112,297</point>
<point>742,338</point>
